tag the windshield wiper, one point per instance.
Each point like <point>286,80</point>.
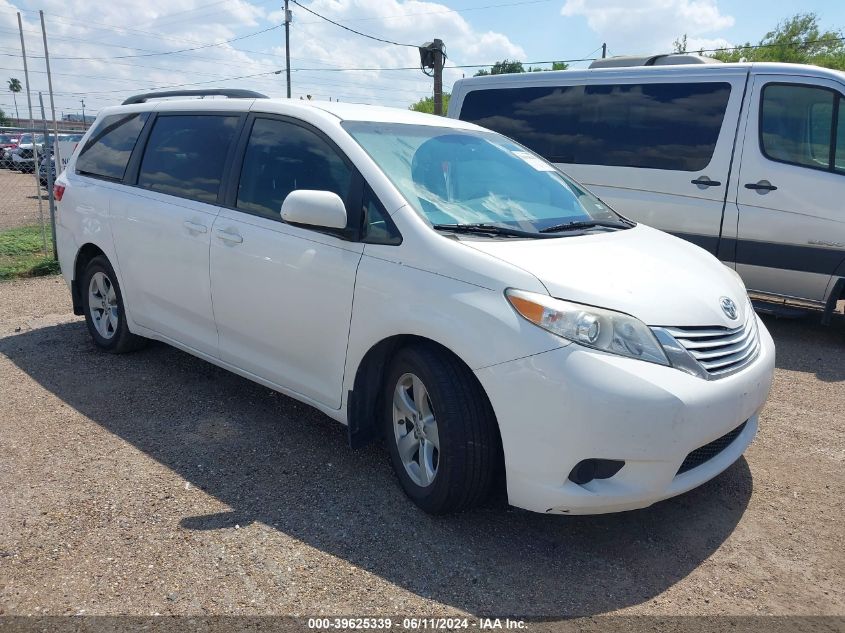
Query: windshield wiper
<point>576,225</point>
<point>486,229</point>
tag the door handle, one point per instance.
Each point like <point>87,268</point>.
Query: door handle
<point>704,181</point>
<point>229,236</point>
<point>195,227</point>
<point>762,186</point>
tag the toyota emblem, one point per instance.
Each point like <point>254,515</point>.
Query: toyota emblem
<point>728,307</point>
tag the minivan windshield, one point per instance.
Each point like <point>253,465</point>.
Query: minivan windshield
<point>469,178</point>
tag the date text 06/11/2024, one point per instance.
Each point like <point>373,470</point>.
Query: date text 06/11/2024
<point>414,624</point>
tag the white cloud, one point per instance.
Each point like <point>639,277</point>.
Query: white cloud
<point>648,26</point>
<point>100,33</point>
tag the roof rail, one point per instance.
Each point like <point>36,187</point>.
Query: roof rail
<point>232,93</point>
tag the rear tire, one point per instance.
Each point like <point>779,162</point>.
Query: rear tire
<point>440,430</point>
<point>102,304</point>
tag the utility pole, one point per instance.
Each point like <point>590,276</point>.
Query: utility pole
<point>34,143</point>
<point>287,45</point>
<point>56,153</point>
<point>438,76</point>
<point>603,51</point>
<point>50,169</point>
<point>83,112</point>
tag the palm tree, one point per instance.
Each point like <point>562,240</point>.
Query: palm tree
<point>15,87</point>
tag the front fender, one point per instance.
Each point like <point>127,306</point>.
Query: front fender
<point>475,323</point>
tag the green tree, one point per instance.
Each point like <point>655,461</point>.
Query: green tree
<point>426,104</point>
<point>4,120</point>
<point>505,67</point>
<point>797,40</point>
<point>15,87</point>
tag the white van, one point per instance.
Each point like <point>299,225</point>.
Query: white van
<point>745,160</point>
<point>418,279</point>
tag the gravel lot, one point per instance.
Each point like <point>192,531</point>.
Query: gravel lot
<point>157,483</point>
<point>18,200</point>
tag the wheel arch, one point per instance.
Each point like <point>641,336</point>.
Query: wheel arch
<point>364,400</point>
<point>84,255</point>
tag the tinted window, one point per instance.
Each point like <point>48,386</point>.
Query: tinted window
<point>797,125</point>
<point>107,152</point>
<point>185,155</point>
<point>281,157</point>
<point>656,126</point>
<point>544,119</point>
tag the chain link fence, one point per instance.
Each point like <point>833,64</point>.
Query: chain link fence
<point>27,167</point>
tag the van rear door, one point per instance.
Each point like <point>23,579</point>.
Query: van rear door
<point>791,231</point>
<point>656,146</point>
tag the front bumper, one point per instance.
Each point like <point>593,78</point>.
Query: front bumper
<point>560,407</point>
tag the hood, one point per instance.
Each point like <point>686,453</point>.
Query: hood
<point>654,276</point>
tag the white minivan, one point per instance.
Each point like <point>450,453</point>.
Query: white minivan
<point>745,160</point>
<point>421,280</point>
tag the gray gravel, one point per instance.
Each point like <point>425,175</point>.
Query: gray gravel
<point>157,483</point>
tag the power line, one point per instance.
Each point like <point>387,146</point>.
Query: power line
<point>553,61</point>
<point>825,40</point>
<point>161,53</point>
<point>351,30</point>
<point>391,16</point>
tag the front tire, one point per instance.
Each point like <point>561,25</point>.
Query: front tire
<point>440,430</point>
<point>105,314</point>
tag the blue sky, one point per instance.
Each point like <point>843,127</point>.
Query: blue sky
<point>546,34</point>
<point>105,51</point>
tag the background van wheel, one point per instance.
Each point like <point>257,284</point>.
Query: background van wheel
<point>102,303</point>
<point>440,430</point>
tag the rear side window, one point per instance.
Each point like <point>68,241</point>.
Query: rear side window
<point>185,155</point>
<point>107,152</point>
<point>281,157</point>
<point>654,126</point>
<point>800,125</point>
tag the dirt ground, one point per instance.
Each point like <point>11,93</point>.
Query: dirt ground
<point>18,200</point>
<point>157,483</point>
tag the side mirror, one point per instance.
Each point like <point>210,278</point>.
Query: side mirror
<point>314,208</point>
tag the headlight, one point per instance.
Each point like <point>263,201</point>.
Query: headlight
<point>598,328</point>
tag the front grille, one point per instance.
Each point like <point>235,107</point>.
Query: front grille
<point>25,153</point>
<point>709,451</point>
<point>720,350</point>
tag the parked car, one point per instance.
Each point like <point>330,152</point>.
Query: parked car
<point>67,145</point>
<point>23,156</point>
<point>745,160</point>
<point>421,279</point>
<point>8,142</point>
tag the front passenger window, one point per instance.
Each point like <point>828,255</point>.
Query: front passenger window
<point>282,157</point>
<point>797,125</point>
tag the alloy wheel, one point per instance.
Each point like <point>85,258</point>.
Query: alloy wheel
<point>102,305</point>
<point>415,430</point>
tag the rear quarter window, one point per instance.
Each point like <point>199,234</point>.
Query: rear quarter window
<point>107,152</point>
